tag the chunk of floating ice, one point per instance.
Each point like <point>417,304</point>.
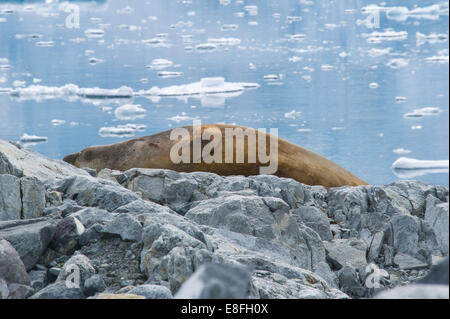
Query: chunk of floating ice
<point>388,35</point>
<point>126,130</point>
<point>426,111</point>
<point>94,33</point>
<point>432,38</point>
<point>401,151</point>
<point>304,130</point>
<point>206,47</point>
<point>397,63</point>
<point>373,85</point>
<point>225,41</point>
<point>204,86</point>
<point>229,27</point>
<point>45,43</point>
<point>159,64</point>
<point>58,122</point>
<point>413,173</point>
<point>400,99</point>
<point>28,36</point>
<point>374,52</point>
<point>68,91</point>
<point>169,74</point>
<point>291,19</point>
<point>437,59</point>
<point>94,61</point>
<point>19,84</point>
<point>292,114</point>
<point>271,77</point>
<point>327,67</point>
<point>33,138</point>
<point>129,112</point>
<point>416,127</point>
<point>411,163</point>
<point>182,118</point>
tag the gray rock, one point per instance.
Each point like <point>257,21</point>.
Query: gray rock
<point>38,279</point>
<point>406,262</point>
<point>143,207</point>
<point>126,226</point>
<point>76,270</point>
<point>418,291</point>
<point>316,219</point>
<point>68,232</point>
<point>25,162</point>
<point>350,283</point>
<point>375,246</point>
<point>403,234</point>
<point>346,252</point>
<point>18,291</point>
<point>53,198</point>
<point>33,197</point>
<point>266,218</point>
<point>88,191</point>
<point>59,290</point>
<point>10,200</point>
<point>92,215</point>
<point>217,281</point>
<point>323,270</point>
<point>94,285</point>
<point>152,292</point>
<point>90,171</point>
<point>29,237</point>
<point>436,215</point>
<point>12,269</point>
<point>4,290</point>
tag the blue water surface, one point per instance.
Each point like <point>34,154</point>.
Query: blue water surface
<point>350,71</point>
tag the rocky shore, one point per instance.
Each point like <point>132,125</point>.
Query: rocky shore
<point>150,233</point>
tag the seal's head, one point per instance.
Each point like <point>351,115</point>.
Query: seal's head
<point>71,158</point>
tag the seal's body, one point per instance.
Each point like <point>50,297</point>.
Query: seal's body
<point>154,151</point>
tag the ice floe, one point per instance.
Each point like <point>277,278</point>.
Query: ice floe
<point>401,151</point>
<point>58,122</point>
<point>130,112</point>
<point>397,63</point>
<point>437,59</point>
<point>431,38</point>
<point>292,114</point>
<point>94,33</point>
<point>411,163</point>
<point>387,35</point>
<point>33,139</point>
<point>426,111</point>
<point>127,130</point>
<point>159,64</point>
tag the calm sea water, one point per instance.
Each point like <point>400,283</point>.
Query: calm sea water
<point>336,77</point>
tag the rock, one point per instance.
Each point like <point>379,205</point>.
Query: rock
<point>418,291</point>
<point>33,197</point>
<point>10,200</point>
<point>38,279</point>
<point>438,274</point>
<point>346,252</point>
<point>59,290</point>
<point>266,218</point>
<point>12,269</point>
<point>118,296</point>
<point>376,244</point>
<point>68,232</point>
<point>323,270</point>
<point>89,191</point>
<point>436,215</point>
<point>152,292</point>
<point>93,285</point>
<point>126,226</point>
<point>25,162</point>
<point>18,291</point>
<point>53,198</point>
<point>350,283</point>
<point>217,281</point>
<point>53,273</point>
<point>143,207</point>
<point>92,215</point>
<point>76,271</point>
<point>29,237</point>
<point>404,261</point>
<point>90,171</point>
<point>314,218</point>
<point>4,290</point>
<point>403,234</point>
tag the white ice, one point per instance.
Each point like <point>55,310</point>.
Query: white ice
<point>411,163</point>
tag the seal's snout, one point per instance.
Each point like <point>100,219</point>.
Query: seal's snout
<point>71,158</point>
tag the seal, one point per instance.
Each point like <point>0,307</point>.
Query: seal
<point>162,150</point>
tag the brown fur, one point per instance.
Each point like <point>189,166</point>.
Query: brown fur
<point>154,152</point>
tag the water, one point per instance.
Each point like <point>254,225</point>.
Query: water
<point>328,81</point>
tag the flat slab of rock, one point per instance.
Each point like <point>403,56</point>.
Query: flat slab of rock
<point>346,252</point>
<point>29,237</point>
<point>25,162</point>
